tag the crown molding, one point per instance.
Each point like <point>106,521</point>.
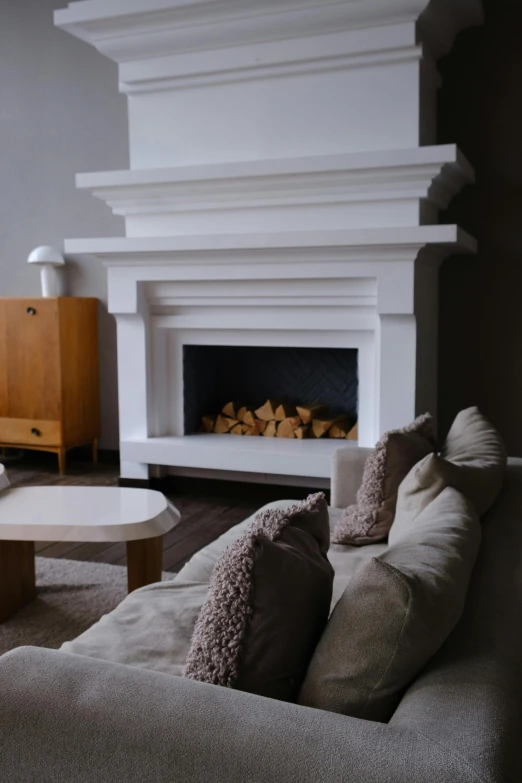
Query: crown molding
<point>128,30</point>
<point>275,59</point>
<point>431,174</point>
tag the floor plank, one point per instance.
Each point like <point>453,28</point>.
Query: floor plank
<point>203,519</point>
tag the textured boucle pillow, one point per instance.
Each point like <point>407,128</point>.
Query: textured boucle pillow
<point>267,604</point>
<point>370,519</point>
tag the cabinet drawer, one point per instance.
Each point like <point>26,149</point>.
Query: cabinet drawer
<point>34,432</point>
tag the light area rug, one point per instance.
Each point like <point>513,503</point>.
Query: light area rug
<point>71,596</point>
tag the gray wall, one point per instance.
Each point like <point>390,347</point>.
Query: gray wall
<point>60,113</point>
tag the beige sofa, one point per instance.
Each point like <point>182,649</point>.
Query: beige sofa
<point>107,708</point>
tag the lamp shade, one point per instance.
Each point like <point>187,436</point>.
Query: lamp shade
<point>46,255</point>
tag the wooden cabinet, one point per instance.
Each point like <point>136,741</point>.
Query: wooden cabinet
<point>49,395</point>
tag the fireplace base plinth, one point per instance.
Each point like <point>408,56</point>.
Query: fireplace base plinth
<point>274,456</point>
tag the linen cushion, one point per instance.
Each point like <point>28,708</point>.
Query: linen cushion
<point>473,461</point>
<point>370,519</point>
<point>267,605</point>
<point>150,629</point>
<point>395,613</point>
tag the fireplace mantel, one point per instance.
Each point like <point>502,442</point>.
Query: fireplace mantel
<point>284,190</point>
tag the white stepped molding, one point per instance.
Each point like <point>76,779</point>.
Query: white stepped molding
<point>127,30</point>
<point>377,241</point>
<point>402,187</point>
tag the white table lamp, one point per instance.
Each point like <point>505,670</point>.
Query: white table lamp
<point>49,259</point>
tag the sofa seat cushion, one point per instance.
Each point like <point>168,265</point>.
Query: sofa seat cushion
<point>395,613</point>
<point>150,629</point>
<point>346,559</point>
<point>153,626</point>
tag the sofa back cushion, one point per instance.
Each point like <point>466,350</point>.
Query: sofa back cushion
<point>395,613</point>
<point>472,461</point>
<point>267,605</point>
<point>370,519</point>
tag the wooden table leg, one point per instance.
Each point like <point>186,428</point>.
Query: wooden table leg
<point>17,576</point>
<point>144,562</point>
<point>62,456</point>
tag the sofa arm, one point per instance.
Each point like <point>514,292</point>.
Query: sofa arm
<point>67,718</point>
<point>347,469</point>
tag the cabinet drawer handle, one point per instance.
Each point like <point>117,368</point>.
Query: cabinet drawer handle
<point>34,431</point>
<point>31,311</point>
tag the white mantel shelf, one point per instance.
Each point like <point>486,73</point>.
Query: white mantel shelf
<point>276,456</point>
<point>128,249</point>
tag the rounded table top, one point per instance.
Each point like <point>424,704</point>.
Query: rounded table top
<point>84,514</point>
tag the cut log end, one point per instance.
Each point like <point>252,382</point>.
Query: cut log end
<point>285,411</point>
<point>320,427</point>
<point>311,411</point>
<point>208,423</point>
<point>270,429</point>
<point>267,412</point>
<point>353,434</point>
<point>341,427</point>
<point>224,424</point>
<point>288,426</point>
<point>231,410</point>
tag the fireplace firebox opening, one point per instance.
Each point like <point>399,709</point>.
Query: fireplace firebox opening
<point>214,375</point>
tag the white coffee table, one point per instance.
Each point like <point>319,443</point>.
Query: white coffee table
<point>139,517</point>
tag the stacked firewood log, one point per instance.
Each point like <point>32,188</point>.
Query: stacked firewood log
<point>279,419</point>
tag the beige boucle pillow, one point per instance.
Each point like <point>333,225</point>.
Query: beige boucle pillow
<point>370,519</point>
<point>472,461</point>
<point>267,605</point>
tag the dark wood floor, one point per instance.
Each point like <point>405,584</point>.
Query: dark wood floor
<point>203,519</point>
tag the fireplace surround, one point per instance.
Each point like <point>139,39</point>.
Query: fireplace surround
<point>283,193</point>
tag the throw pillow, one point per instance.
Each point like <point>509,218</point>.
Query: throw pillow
<point>267,604</point>
<point>473,461</point>
<point>370,519</point>
<point>395,613</point>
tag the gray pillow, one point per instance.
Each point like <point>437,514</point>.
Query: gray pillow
<point>473,461</point>
<point>395,613</point>
<point>267,604</point>
<point>370,519</point>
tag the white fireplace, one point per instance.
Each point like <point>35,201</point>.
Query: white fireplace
<point>284,192</point>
